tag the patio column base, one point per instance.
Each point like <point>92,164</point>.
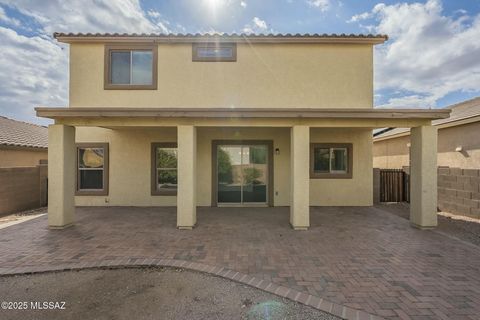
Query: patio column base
<point>417,226</point>
<point>61,227</point>
<point>186,227</point>
<point>298,228</point>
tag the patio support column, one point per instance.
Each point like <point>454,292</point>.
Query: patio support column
<point>186,194</point>
<point>300,179</point>
<point>61,175</point>
<point>423,177</point>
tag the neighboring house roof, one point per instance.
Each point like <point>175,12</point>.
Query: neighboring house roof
<point>223,37</point>
<point>466,111</point>
<point>22,134</point>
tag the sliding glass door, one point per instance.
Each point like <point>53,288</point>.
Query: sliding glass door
<point>242,174</point>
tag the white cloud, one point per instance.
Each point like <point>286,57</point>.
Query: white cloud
<point>256,26</point>
<point>8,20</point>
<point>34,69</point>
<point>243,4</point>
<point>153,13</point>
<point>360,17</point>
<point>34,72</point>
<point>323,5</point>
<point>86,16</point>
<point>163,26</point>
<point>259,23</point>
<point>429,55</point>
<point>409,102</point>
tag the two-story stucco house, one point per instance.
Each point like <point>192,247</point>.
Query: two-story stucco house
<point>226,120</point>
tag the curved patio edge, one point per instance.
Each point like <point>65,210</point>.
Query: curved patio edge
<point>316,302</point>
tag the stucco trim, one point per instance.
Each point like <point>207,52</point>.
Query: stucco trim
<point>268,143</point>
<point>158,112</point>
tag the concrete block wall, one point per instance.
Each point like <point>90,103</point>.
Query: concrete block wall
<point>459,191</point>
<point>22,188</point>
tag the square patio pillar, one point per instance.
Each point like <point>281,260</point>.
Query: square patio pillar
<point>300,178</point>
<point>423,177</point>
<point>187,163</point>
<point>61,175</point>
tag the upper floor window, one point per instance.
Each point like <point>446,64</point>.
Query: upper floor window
<point>214,52</point>
<point>130,67</point>
<point>331,160</point>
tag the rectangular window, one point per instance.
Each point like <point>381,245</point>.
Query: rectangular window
<point>214,52</point>
<point>164,168</point>
<point>130,67</point>
<point>331,160</point>
<point>92,169</point>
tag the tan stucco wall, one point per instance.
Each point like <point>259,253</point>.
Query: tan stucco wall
<point>391,153</point>
<point>466,136</point>
<point>394,153</point>
<point>16,157</point>
<point>357,191</point>
<point>264,75</point>
<point>130,165</point>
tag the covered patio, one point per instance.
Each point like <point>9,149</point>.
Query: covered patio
<point>299,129</point>
<point>361,257</point>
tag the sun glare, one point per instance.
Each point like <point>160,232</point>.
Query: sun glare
<point>213,4</point>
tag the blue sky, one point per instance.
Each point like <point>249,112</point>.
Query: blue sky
<point>431,60</point>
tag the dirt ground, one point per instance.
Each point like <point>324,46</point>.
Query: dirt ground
<point>147,293</point>
<point>467,230</point>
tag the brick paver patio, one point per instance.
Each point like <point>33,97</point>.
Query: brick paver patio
<point>363,258</point>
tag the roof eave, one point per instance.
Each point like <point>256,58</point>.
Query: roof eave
<point>236,39</point>
<point>88,112</point>
<point>22,146</point>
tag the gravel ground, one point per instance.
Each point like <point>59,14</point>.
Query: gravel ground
<point>149,293</point>
<point>467,230</point>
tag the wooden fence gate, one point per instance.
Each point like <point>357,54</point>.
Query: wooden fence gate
<point>394,185</point>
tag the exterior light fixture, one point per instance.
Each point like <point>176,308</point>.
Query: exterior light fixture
<point>277,151</point>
